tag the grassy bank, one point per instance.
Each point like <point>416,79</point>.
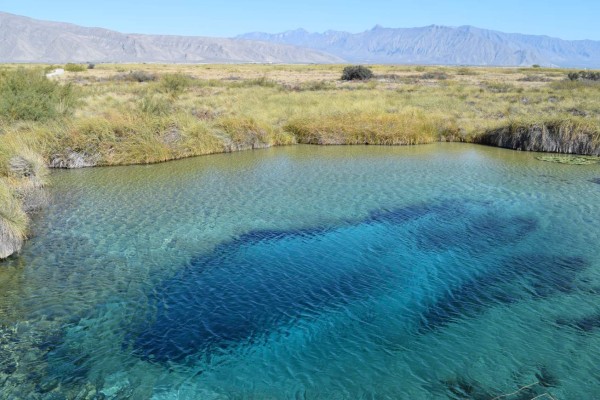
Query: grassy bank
<point>126,114</point>
<point>129,114</point>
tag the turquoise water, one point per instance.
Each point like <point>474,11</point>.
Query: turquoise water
<point>444,271</point>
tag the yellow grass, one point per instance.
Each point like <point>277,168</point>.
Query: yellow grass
<point>201,109</point>
<point>191,110</point>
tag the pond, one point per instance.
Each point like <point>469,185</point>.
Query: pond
<point>434,271</point>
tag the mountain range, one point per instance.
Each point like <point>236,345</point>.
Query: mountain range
<point>24,39</point>
<point>465,45</point>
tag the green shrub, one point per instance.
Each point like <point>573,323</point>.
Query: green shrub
<point>174,84</point>
<point>584,76</point>
<point>263,81</point>
<point>50,68</point>
<point>75,67</point>
<point>155,105</point>
<point>356,72</point>
<point>27,94</point>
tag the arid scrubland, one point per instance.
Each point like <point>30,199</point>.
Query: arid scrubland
<point>129,114</point>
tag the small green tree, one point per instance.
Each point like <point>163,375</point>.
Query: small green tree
<point>356,72</point>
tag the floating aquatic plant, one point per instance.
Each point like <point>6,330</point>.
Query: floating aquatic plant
<point>569,159</point>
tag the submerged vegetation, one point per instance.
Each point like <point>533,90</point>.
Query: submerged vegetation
<point>130,114</point>
<point>569,159</point>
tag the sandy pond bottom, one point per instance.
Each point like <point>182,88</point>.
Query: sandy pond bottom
<point>430,272</point>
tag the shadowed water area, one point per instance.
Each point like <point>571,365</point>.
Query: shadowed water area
<point>443,271</point>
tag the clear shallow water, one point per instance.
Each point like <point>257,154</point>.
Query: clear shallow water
<point>439,271</point>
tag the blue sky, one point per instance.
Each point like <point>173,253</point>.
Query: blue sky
<point>566,19</point>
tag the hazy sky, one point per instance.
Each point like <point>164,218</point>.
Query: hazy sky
<point>573,19</point>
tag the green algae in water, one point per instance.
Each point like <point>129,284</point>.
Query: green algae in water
<point>570,159</point>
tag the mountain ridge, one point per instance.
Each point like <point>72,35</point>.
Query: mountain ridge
<point>25,39</point>
<point>439,44</point>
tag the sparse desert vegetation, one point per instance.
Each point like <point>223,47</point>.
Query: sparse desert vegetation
<point>147,113</point>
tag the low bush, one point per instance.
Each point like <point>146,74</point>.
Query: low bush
<point>135,76</point>
<point>263,81</point>
<point>50,68</point>
<point>356,72</point>
<point>70,67</point>
<point>174,84</point>
<point>27,94</point>
<point>155,105</point>
<point>584,76</point>
<point>499,87</point>
<point>434,75</point>
<point>534,78</point>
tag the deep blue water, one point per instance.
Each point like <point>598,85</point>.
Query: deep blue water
<point>441,271</point>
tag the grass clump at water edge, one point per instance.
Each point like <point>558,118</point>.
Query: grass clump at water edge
<point>366,128</point>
